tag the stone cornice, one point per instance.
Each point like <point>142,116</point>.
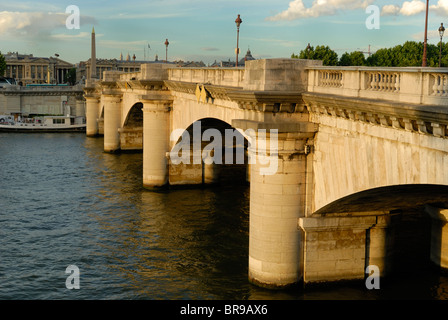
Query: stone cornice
<point>263,101</point>
<point>92,91</point>
<point>424,119</point>
<point>179,86</point>
<point>110,88</point>
<point>268,101</point>
<point>142,85</point>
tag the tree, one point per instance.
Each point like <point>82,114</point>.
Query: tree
<point>345,60</point>
<point>70,77</point>
<point>324,53</point>
<point>328,56</point>
<point>355,58</point>
<point>408,54</point>
<point>2,65</point>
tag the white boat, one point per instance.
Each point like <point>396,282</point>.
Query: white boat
<point>44,124</point>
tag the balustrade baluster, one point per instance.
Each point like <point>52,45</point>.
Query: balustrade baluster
<point>445,85</point>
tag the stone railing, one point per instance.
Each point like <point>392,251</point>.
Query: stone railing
<point>440,84</point>
<point>232,77</point>
<point>409,85</point>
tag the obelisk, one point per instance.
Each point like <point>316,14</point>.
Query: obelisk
<point>93,56</point>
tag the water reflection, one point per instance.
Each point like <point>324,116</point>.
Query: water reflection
<point>182,238</point>
<point>66,202</point>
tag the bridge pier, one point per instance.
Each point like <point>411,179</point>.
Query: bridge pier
<point>92,111</point>
<point>156,142</point>
<point>339,247</point>
<point>131,139</point>
<point>112,122</point>
<point>280,172</point>
<point>439,236</point>
<point>92,105</point>
<point>204,171</point>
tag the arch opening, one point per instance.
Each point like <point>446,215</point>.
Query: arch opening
<point>131,134</point>
<point>209,151</point>
<point>134,118</point>
<point>409,240</point>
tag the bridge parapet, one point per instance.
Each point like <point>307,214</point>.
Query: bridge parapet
<point>408,85</point>
<point>231,77</point>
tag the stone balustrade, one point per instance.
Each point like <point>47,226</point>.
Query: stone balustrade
<point>406,85</point>
<point>232,77</point>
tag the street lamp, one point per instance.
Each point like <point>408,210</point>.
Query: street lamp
<point>238,23</point>
<point>166,53</point>
<point>441,31</point>
<point>424,60</point>
<point>308,49</point>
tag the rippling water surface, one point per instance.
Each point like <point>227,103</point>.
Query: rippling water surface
<point>65,202</point>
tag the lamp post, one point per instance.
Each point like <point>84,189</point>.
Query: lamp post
<point>424,60</point>
<point>308,49</point>
<point>166,52</point>
<point>238,23</point>
<point>441,31</point>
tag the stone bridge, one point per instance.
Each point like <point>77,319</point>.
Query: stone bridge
<point>332,153</point>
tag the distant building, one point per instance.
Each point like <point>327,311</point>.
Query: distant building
<point>27,69</point>
<point>94,68</point>
<point>190,64</point>
<point>124,65</point>
<point>241,63</point>
<point>102,65</point>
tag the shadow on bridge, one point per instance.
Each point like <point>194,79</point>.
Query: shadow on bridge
<point>398,197</point>
<point>400,228</point>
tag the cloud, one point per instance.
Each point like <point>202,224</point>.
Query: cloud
<point>441,8</point>
<point>29,23</point>
<point>390,10</point>
<point>297,9</point>
<point>33,24</point>
<point>432,34</point>
<point>66,36</point>
<point>28,6</point>
<point>410,8</point>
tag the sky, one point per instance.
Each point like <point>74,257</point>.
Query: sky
<point>205,30</point>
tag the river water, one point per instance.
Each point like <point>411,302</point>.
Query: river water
<point>65,202</point>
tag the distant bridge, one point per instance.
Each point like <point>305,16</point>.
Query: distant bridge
<point>42,100</point>
<point>350,146</point>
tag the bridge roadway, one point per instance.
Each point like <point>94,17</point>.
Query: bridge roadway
<point>332,153</point>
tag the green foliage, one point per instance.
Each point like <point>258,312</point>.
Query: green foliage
<point>2,65</point>
<point>408,54</point>
<point>355,58</point>
<point>324,53</point>
<point>70,77</point>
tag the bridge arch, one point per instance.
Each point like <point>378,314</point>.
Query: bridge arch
<point>134,117</point>
<point>389,198</point>
<point>208,151</point>
<point>131,132</point>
